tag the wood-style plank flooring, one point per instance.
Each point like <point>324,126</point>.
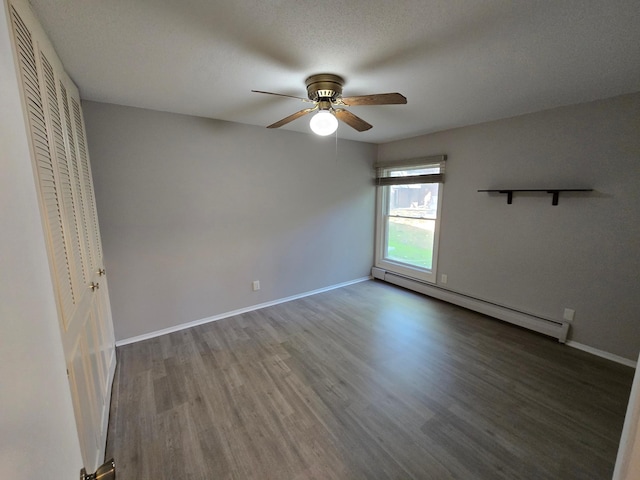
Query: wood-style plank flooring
<point>369,381</point>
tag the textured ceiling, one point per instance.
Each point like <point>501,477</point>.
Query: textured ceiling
<point>458,62</point>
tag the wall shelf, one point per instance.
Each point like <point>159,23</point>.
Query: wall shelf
<point>553,191</point>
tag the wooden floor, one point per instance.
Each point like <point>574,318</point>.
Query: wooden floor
<point>368,381</point>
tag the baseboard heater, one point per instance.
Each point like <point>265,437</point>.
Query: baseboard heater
<point>555,329</point>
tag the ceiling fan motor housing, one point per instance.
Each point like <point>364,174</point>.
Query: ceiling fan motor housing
<point>324,86</point>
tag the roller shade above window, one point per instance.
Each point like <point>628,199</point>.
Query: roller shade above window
<point>418,170</point>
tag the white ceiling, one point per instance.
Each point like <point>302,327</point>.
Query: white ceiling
<point>458,62</point>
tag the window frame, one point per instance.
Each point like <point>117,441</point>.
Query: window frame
<point>382,206</point>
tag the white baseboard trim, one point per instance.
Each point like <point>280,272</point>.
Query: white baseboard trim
<point>603,354</point>
<point>556,329</point>
<point>240,311</point>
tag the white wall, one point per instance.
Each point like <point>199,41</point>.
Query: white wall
<point>584,253</point>
<point>192,210</point>
<point>37,426</point>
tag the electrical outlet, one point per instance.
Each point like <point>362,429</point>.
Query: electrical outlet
<point>443,278</point>
<point>256,285</point>
<point>568,314</point>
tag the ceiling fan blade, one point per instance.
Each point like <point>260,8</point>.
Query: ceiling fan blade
<point>352,120</point>
<point>291,118</point>
<point>283,95</point>
<point>376,99</point>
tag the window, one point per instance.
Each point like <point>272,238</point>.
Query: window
<point>409,195</point>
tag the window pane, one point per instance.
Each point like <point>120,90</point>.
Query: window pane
<point>410,240</point>
<point>413,171</point>
<point>410,224</point>
<point>416,201</point>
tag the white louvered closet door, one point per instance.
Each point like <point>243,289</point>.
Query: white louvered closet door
<point>63,175</point>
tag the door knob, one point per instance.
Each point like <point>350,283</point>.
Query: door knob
<point>107,471</point>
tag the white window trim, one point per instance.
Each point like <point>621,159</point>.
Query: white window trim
<point>381,205</point>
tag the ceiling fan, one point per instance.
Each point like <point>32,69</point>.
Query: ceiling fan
<point>325,92</point>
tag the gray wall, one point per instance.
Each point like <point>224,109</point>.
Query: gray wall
<point>584,253</point>
<point>192,210</point>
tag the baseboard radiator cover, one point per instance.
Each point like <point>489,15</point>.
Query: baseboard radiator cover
<point>555,329</point>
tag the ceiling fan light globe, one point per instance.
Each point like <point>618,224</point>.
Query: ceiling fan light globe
<point>323,123</point>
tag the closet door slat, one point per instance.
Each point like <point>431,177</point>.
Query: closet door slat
<point>44,162</point>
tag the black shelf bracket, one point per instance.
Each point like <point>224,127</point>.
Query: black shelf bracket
<point>553,191</point>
